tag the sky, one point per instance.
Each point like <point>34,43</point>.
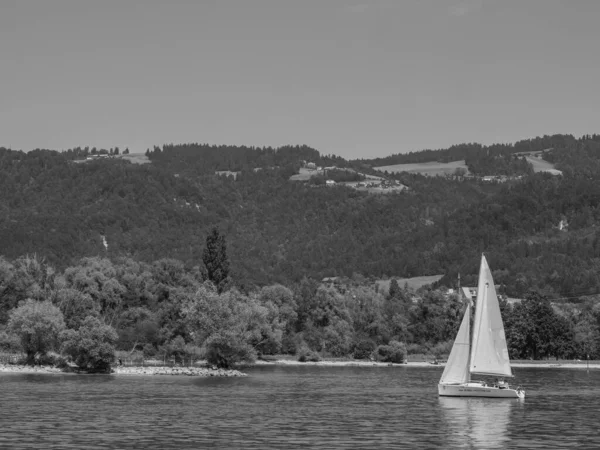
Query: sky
<point>354,78</point>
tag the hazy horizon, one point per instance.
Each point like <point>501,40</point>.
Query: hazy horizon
<point>358,79</point>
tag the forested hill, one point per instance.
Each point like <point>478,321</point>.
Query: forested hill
<point>475,154</point>
<point>539,232</point>
<point>194,159</point>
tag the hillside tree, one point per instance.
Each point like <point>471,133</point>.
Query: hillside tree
<point>92,346</point>
<point>215,259</point>
<point>38,325</point>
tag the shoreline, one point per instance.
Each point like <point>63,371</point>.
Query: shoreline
<point>129,370</point>
<point>209,372</point>
<point>361,363</point>
<point>177,371</point>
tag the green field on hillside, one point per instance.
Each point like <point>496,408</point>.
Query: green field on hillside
<point>539,165</point>
<point>413,283</point>
<point>136,158</point>
<point>427,168</point>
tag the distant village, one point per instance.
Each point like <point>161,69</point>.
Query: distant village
<point>497,178</point>
<point>371,182</point>
<point>100,156</point>
<point>464,292</point>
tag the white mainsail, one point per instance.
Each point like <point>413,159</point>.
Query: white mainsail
<point>489,354</point>
<point>457,368</point>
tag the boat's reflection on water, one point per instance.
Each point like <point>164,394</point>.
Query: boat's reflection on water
<point>478,423</point>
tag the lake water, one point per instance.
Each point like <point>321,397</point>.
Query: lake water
<point>296,407</point>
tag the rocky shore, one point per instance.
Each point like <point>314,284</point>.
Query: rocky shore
<point>146,370</point>
<point>185,371</point>
<point>18,368</point>
<point>209,372</point>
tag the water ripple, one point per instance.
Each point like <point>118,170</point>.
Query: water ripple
<point>292,408</point>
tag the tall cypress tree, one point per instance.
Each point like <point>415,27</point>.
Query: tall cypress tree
<point>215,259</point>
<point>394,290</point>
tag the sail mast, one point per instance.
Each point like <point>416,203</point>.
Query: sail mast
<point>478,308</point>
<point>468,314</point>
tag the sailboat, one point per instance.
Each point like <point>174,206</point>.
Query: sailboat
<point>482,352</point>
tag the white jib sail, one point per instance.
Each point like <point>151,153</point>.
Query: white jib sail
<point>457,366</point>
<point>489,354</point>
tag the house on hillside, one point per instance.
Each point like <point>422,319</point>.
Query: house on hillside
<point>563,225</point>
<point>329,281</point>
<point>427,222</point>
<point>495,178</point>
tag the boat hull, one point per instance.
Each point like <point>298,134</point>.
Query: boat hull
<point>478,390</point>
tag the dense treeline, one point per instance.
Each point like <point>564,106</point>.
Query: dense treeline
<point>280,231</point>
<point>169,311</point>
<point>495,159</point>
<point>61,209</point>
<point>194,159</point>
<point>539,233</point>
<point>504,164</point>
<point>124,262</point>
